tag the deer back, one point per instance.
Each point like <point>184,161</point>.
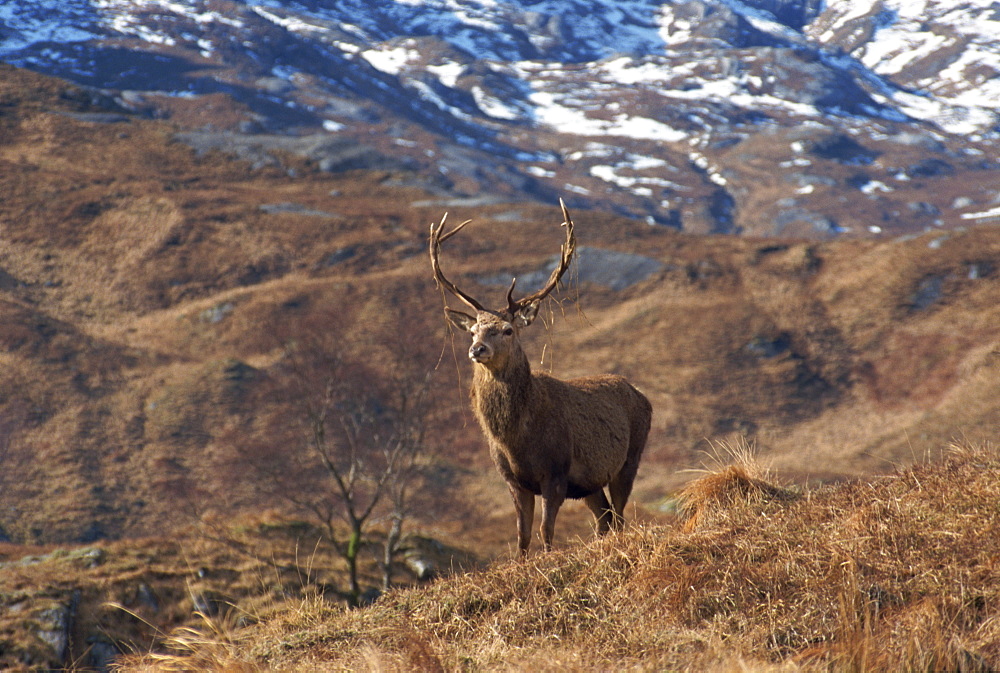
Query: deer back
<point>598,417</point>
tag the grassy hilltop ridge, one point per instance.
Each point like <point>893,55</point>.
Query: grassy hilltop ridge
<point>896,573</point>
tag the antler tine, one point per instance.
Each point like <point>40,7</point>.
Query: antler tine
<point>436,238</point>
<point>568,248</point>
<point>453,231</point>
<point>512,305</point>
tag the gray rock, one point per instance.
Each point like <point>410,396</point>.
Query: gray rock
<point>423,568</point>
<point>55,624</point>
<point>928,292</point>
<point>217,314</point>
<point>610,268</point>
<point>294,209</point>
<point>331,154</point>
<point>101,653</point>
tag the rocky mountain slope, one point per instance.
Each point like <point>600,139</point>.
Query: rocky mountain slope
<point>760,117</point>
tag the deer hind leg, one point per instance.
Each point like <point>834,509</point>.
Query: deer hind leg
<point>524,505</point>
<point>553,496</point>
<point>620,489</point>
<point>603,514</point>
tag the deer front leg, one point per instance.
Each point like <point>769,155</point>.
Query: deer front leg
<point>524,505</point>
<point>553,495</point>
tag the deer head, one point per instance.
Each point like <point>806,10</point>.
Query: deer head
<point>495,332</point>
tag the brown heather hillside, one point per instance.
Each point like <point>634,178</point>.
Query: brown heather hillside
<point>899,572</point>
<point>148,294</point>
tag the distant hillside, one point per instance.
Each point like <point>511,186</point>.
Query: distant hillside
<point>893,573</point>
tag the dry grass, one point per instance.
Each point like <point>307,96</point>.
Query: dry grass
<point>897,573</point>
<point>740,479</point>
<point>155,599</point>
<point>195,649</point>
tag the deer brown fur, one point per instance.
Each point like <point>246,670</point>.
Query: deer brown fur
<point>548,437</point>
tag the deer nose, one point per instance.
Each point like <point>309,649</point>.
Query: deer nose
<point>478,352</point>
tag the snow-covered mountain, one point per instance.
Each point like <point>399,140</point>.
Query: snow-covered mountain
<point>761,117</point>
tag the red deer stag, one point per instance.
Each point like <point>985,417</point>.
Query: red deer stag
<point>548,437</point>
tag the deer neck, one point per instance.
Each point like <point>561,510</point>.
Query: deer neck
<point>501,398</point>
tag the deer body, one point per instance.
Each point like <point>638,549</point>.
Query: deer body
<point>548,437</point>
<point>543,430</point>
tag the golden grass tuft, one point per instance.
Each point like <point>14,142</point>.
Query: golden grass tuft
<point>208,648</point>
<point>743,480</point>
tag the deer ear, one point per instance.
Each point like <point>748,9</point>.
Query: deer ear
<point>526,315</point>
<point>462,321</point>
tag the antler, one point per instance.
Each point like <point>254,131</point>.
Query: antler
<point>513,306</point>
<point>435,249</point>
<point>568,248</point>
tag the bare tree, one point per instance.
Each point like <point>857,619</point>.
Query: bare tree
<point>411,407</point>
<point>349,446</point>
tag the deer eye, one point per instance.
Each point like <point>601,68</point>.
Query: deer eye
<point>508,331</point>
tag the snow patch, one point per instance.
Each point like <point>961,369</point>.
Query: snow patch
<point>494,107</point>
<point>874,186</point>
<point>539,172</point>
<point>390,61</point>
<point>447,73</point>
<point>992,212</point>
<point>565,119</point>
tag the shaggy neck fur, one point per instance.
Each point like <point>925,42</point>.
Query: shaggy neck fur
<point>500,397</point>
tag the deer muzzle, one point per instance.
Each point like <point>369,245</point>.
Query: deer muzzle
<point>480,352</point>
